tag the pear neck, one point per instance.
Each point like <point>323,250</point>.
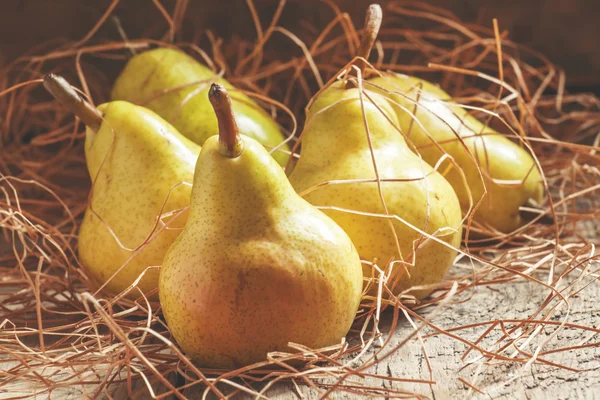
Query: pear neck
<point>248,187</point>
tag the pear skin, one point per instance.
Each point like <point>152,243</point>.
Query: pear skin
<point>175,86</point>
<point>509,172</point>
<point>335,147</point>
<point>256,266</point>
<point>136,160</point>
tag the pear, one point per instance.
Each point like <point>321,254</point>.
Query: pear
<point>138,164</point>
<point>256,266</point>
<point>175,86</point>
<point>508,171</point>
<point>336,147</point>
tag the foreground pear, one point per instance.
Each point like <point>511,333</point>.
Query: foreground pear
<point>136,161</point>
<point>256,266</point>
<point>508,171</point>
<point>335,147</point>
<point>175,86</point>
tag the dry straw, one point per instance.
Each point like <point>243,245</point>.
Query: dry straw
<point>58,338</point>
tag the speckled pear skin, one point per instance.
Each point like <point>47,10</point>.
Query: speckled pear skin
<point>335,147</point>
<point>256,266</point>
<point>135,159</point>
<point>500,158</point>
<point>147,75</point>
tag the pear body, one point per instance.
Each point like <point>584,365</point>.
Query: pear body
<point>335,147</point>
<point>499,158</point>
<point>135,160</point>
<point>175,86</point>
<point>256,266</point>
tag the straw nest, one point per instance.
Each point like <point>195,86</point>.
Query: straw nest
<point>58,336</point>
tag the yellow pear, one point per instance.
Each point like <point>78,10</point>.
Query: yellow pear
<point>139,165</point>
<point>335,147</point>
<point>508,171</point>
<point>256,266</point>
<point>175,86</point>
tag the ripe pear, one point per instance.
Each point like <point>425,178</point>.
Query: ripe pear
<point>256,266</point>
<point>507,169</point>
<point>335,147</point>
<point>175,86</point>
<point>137,162</point>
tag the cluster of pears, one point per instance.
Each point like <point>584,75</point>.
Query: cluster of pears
<point>255,266</point>
<point>137,160</point>
<point>247,265</point>
<point>397,210</point>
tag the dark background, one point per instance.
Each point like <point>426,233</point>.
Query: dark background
<point>565,30</point>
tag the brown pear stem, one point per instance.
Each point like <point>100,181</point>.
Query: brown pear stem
<point>372,24</point>
<point>230,143</point>
<point>62,91</point>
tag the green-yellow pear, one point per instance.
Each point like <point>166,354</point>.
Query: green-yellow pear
<point>139,165</point>
<point>336,147</point>
<point>175,86</point>
<point>256,266</point>
<point>507,169</point>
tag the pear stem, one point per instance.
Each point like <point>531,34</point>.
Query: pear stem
<point>372,24</point>
<point>230,142</point>
<point>62,91</point>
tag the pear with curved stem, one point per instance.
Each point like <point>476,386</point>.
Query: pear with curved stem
<point>139,165</point>
<point>175,86</point>
<point>256,266</point>
<point>392,204</point>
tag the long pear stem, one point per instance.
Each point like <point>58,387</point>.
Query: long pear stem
<point>372,25</point>
<point>62,91</point>
<point>230,143</point>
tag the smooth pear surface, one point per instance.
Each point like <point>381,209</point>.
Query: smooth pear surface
<point>175,86</point>
<point>335,147</point>
<point>135,160</point>
<point>256,266</point>
<point>508,170</point>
